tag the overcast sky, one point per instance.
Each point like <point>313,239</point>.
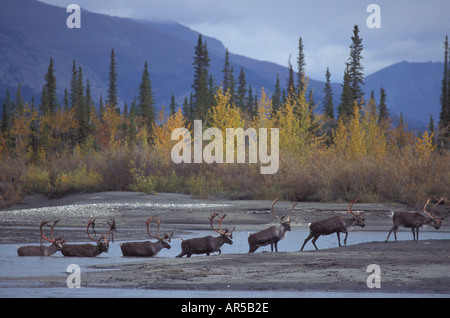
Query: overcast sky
<point>411,30</point>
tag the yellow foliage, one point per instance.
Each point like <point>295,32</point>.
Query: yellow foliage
<point>263,117</point>
<point>298,126</point>
<point>423,147</point>
<point>163,132</point>
<point>225,115</point>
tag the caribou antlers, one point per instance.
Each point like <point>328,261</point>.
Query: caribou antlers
<point>226,232</point>
<point>112,228</point>
<point>431,215</point>
<point>52,240</point>
<point>166,236</point>
<point>281,220</point>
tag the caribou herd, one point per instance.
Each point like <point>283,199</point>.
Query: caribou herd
<point>209,244</point>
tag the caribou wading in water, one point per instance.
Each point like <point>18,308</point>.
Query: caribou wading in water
<point>273,234</point>
<point>147,248</point>
<point>41,250</point>
<point>208,244</point>
<point>90,250</point>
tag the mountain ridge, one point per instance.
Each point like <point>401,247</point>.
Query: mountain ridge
<point>31,32</point>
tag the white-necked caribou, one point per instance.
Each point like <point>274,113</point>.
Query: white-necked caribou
<point>208,244</point>
<point>273,234</point>
<point>41,250</point>
<point>147,248</point>
<point>414,221</point>
<point>335,224</point>
<point>90,250</point>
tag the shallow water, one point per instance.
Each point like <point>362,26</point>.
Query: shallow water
<point>12,265</point>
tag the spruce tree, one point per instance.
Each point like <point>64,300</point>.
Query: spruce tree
<point>49,100</point>
<point>7,114</point>
<point>355,68</point>
<point>444,115</point>
<point>290,80</point>
<point>383,113</point>
<point>19,103</point>
<point>301,66</point>
<point>328,107</point>
<point>200,86</point>
<point>241,100</point>
<point>146,103</point>
<point>173,105</point>
<point>112,85</point>
<point>276,97</point>
<point>345,107</point>
<point>226,72</point>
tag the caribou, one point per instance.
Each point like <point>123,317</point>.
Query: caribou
<point>41,250</point>
<point>414,221</point>
<point>335,224</point>
<point>208,244</point>
<point>90,250</point>
<point>147,248</point>
<point>273,234</point>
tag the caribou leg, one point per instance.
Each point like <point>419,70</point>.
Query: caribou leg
<point>306,240</point>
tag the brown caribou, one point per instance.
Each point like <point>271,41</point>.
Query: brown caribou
<point>335,224</point>
<point>208,244</point>
<point>273,234</point>
<point>147,248</point>
<point>41,250</point>
<point>90,250</point>
<point>414,221</point>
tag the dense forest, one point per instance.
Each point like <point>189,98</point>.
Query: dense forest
<point>350,150</point>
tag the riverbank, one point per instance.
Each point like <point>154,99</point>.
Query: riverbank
<point>405,266</point>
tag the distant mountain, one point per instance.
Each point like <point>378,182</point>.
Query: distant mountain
<point>31,32</point>
<point>411,88</point>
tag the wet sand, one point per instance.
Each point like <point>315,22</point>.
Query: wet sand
<point>405,266</point>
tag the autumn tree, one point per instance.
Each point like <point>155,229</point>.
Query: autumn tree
<point>163,131</point>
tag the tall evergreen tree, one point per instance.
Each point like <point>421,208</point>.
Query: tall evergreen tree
<point>112,85</point>
<point>354,66</point>
<point>200,86</point>
<point>73,85</point>
<point>276,97</point>
<point>146,102</point>
<point>173,105</point>
<point>301,66</point>
<point>383,112</point>
<point>328,107</point>
<point>345,107</point>
<point>19,103</point>
<point>49,102</point>
<point>7,114</point>
<point>444,115</point>
<point>290,80</point>
<point>241,100</point>
<point>226,72</point>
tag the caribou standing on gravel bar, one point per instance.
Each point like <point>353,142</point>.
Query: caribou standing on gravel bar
<point>208,244</point>
<point>273,234</point>
<point>90,250</point>
<point>147,248</point>
<point>41,250</point>
<point>414,221</point>
<point>335,224</point>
